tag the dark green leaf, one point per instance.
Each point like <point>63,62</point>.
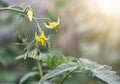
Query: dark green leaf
<point>45,82</point>
<point>102,72</point>
<point>19,57</point>
<point>25,77</point>
<point>68,66</point>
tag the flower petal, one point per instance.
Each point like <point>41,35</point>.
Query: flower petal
<point>47,38</point>
<point>58,22</point>
<point>48,26</point>
<point>30,14</point>
<point>52,24</point>
<point>37,37</point>
<point>42,35</point>
<point>42,41</point>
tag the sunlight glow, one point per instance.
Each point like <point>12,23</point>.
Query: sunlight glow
<point>111,7</point>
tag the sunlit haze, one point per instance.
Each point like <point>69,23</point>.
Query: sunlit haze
<point>108,7</point>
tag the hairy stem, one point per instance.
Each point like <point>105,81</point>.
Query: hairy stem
<point>43,19</point>
<point>36,22</point>
<point>40,68</point>
<point>11,9</point>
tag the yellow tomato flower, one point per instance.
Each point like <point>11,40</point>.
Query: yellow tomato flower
<point>30,14</point>
<point>41,38</point>
<point>53,25</point>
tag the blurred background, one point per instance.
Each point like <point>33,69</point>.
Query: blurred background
<point>88,29</point>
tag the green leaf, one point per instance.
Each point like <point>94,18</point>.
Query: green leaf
<point>25,77</point>
<point>68,66</point>
<point>35,68</point>
<point>19,57</point>
<point>102,72</point>
<point>30,55</point>
<point>3,61</point>
<point>55,58</point>
<point>46,82</point>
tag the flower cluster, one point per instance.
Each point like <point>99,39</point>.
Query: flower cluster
<point>42,39</point>
<point>52,25</point>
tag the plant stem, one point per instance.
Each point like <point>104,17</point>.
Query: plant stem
<point>43,19</point>
<point>11,9</point>
<point>36,22</point>
<point>39,67</point>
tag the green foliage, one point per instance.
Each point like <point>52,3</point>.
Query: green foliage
<point>54,65</point>
<point>27,76</point>
<point>69,66</point>
<point>102,72</point>
<point>55,58</point>
<point>4,4</point>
